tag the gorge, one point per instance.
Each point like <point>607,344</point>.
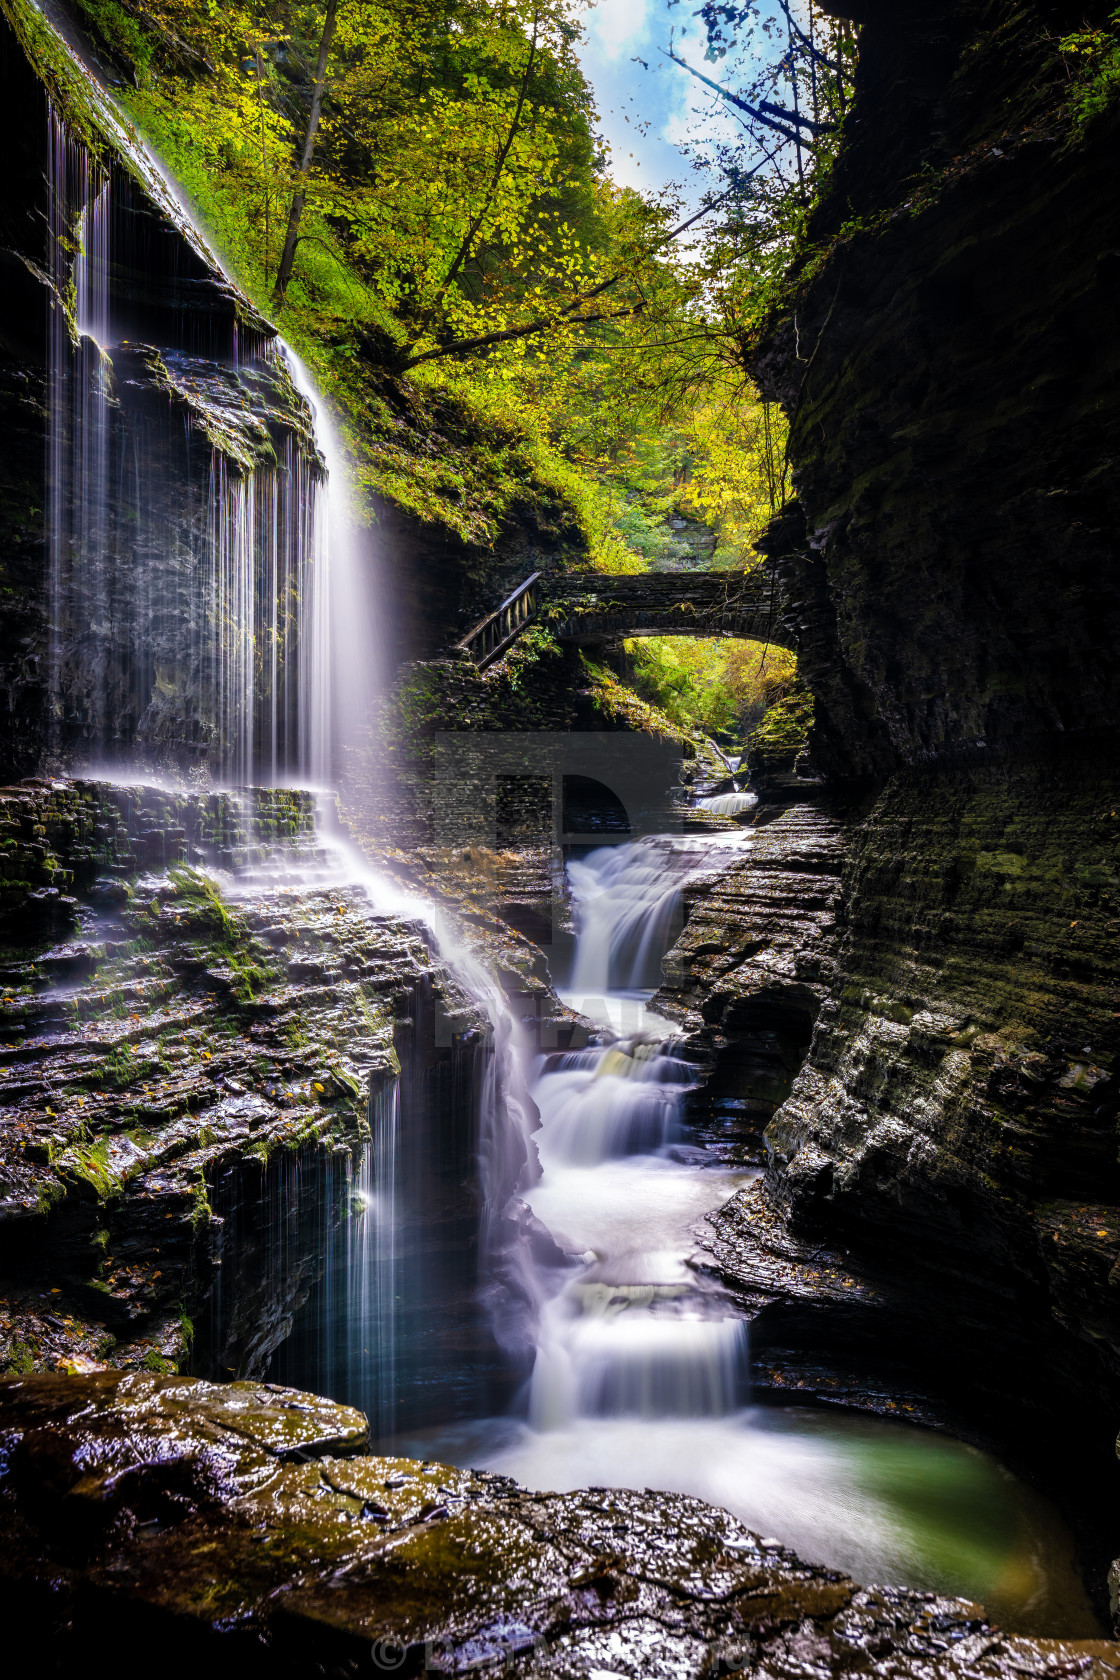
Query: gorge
<point>595,1240</point>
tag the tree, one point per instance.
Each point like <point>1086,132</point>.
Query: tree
<point>299,196</point>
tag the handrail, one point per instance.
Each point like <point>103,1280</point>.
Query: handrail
<point>490,637</point>
<point>724,593</point>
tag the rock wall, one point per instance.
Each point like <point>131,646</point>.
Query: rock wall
<point>948,357</point>
<point>185,1082</point>
<point>159,469</point>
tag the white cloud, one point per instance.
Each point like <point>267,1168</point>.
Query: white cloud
<point>616,26</point>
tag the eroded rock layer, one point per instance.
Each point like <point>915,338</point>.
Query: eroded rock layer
<point>244,1526</point>
<point>186,1076</point>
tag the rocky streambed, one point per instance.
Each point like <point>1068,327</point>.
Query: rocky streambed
<point>246,1526</point>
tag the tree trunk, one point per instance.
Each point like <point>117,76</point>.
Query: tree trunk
<point>299,197</point>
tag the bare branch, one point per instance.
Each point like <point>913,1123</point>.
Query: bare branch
<point>741,104</point>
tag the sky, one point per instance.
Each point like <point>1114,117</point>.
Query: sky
<point>618,32</point>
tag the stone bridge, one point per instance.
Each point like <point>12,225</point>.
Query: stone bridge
<point>594,608</point>
<point>599,607</point>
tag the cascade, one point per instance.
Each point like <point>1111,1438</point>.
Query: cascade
<point>205,601</point>
<point>632,1334</point>
<point>728,804</point>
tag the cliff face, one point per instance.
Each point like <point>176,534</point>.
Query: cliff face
<point>152,441</point>
<point>950,368</point>
<point>950,365</point>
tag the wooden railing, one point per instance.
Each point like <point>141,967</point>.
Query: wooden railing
<point>492,635</point>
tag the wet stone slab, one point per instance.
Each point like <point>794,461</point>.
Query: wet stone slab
<point>245,1526</point>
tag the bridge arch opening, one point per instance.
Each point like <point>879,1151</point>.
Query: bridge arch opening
<point>593,808</point>
<point>722,685</point>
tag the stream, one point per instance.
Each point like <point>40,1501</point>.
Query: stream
<point>641,1376</point>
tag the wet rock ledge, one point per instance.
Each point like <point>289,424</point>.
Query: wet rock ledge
<point>170,1048</point>
<point>246,1526</point>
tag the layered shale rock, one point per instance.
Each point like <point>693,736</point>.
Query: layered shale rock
<point>752,967</point>
<point>949,358</point>
<point>181,1060</point>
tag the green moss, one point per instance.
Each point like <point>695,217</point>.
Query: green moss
<point>201,1213</point>
<point>784,729</point>
<point>19,1360</point>
<point>90,1163</point>
<point>154,1361</point>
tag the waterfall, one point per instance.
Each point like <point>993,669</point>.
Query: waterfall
<point>372,1237</point>
<point>267,573</point>
<point>728,804</point>
<point>207,596</point>
<point>77,403</point>
<point>628,907</point>
<point>606,1351</point>
<point>633,1333</point>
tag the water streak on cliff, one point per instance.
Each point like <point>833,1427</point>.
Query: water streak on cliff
<point>204,597</point>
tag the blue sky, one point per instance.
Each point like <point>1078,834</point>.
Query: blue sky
<point>628,96</point>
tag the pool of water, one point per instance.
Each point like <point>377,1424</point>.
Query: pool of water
<point>891,1504</point>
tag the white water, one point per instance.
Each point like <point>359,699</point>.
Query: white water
<point>373,1266</point>
<point>728,804</point>
<point>634,1332</point>
<point>276,671</point>
<point>628,905</point>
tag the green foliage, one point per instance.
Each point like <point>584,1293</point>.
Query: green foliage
<point>784,730</point>
<point>1092,58</point>
<point>505,332</point>
<point>718,686</point>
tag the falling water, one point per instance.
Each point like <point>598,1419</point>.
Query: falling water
<point>628,902</point>
<point>373,1267</point>
<point>203,599</point>
<point>728,804</point>
<point>268,570</point>
<point>77,430</point>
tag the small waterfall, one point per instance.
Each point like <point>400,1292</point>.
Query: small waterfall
<point>634,1333</point>
<point>628,907</point>
<point>269,668</point>
<point>610,1350</point>
<point>728,804</point>
<point>340,647</point>
<point>621,1100</point>
<point>372,1264</point>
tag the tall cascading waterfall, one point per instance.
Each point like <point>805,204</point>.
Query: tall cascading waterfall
<point>208,604</point>
<point>204,599</point>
